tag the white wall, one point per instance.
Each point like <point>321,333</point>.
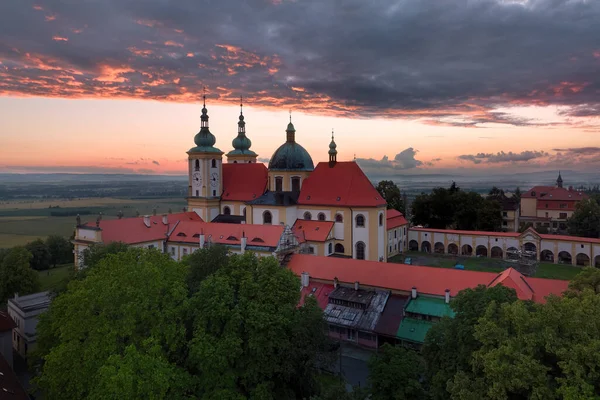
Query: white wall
<point>257,215</point>
<point>291,214</point>
<point>360,234</point>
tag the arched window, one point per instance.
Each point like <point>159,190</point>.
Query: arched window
<point>307,215</point>
<point>197,165</point>
<point>330,248</point>
<point>339,218</point>
<point>381,219</point>
<point>296,184</point>
<point>278,184</point>
<point>226,210</point>
<point>321,217</point>
<point>360,251</point>
<point>267,218</point>
<point>213,163</point>
<point>360,220</point>
<point>339,248</point>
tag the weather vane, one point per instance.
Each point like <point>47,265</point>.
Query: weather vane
<point>241,104</point>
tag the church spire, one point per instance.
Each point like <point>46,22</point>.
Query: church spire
<point>204,140</point>
<point>241,143</point>
<point>559,181</point>
<point>291,131</point>
<point>332,151</point>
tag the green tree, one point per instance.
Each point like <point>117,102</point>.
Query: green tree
<point>118,333</point>
<point>391,193</point>
<point>250,339</point>
<point>585,221</point>
<point>517,194</point>
<point>535,351</point>
<point>97,252</point>
<point>41,257</point>
<point>16,275</point>
<point>204,262</point>
<point>61,250</point>
<point>489,216</point>
<point>466,206</point>
<point>449,344</point>
<point>435,210</point>
<point>496,194</point>
<point>396,373</point>
<point>588,278</point>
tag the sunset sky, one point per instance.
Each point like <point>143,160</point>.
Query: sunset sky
<point>410,87</point>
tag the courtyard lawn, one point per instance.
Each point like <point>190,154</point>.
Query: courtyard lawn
<point>53,277</point>
<point>484,264</point>
<point>557,271</point>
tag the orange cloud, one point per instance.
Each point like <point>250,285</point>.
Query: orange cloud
<point>60,38</point>
<point>50,17</point>
<point>173,43</point>
<point>112,74</point>
<point>37,7</point>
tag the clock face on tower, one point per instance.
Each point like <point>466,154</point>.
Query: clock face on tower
<point>197,178</point>
<point>214,179</point>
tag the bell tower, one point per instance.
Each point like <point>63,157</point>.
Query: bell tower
<point>241,152</point>
<point>205,172</point>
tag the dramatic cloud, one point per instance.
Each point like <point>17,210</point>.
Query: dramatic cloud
<point>452,62</point>
<point>402,162</point>
<point>502,157</point>
<point>581,150</point>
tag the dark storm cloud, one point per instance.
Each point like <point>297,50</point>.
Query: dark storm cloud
<point>502,157</point>
<point>448,62</point>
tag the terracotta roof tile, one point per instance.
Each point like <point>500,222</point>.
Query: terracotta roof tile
<point>473,233</point>
<point>569,238</point>
<point>395,219</point>
<point>554,193</point>
<point>427,280</point>
<point>311,230</point>
<point>320,291</point>
<point>513,279</point>
<point>10,382</point>
<point>244,182</point>
<point>344,184</point>
<point>257,235</point>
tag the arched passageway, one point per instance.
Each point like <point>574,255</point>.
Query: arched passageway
<point>438,248</point>
<point>481,251</point>
<point>426,247</point>
<point>582,260</point>
<point>413,245</point>
<point>466,250</point>
<point>546,256</point>
<point>564,257</point>
<point>452,249</point>
<point>497,252</point>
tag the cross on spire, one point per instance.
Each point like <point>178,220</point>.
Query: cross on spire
<point>241,104</point>
<point>204,96</point>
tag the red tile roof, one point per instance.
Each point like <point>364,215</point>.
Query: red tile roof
<point>513,279</point>
<point>133,230</point>
<point>318,290</point>
<point>554,193</point>
<point>257,235</point>
<point>395,219</point>
<point>473,233</point>
<point>344,184</point>
<point>6,322</point>
<point>569,238</point>
<point>311,230</point>
<point>244,182</point>
<point>427,280</point>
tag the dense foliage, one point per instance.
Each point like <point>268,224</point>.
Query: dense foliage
<point>454,208</point>
<point>16,275</point>
<point>396,373</point>
<point>391,193</point>
<point>585,221</point>
<point>140,325</point>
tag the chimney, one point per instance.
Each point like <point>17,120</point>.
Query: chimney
<point>244,240</point>
<point>147,221</point>
<point>447,296</point>
<point>305,279</point>
<point>413,293</point>
<point>202,239</point>
<point>165,219</point>
<point>335,282</point>
<point>356,285</point>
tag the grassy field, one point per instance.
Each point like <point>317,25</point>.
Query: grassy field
<point>23,221</point>
<point>55,276</point>
<point>544,270</point>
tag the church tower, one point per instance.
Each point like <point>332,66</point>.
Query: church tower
<point>205,172</point>
<point>332,152</point>
<point>241,152</point>
<point>559,181</point>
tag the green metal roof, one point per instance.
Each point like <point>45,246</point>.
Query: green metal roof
<point>429,306</point>
<point>413,330</point>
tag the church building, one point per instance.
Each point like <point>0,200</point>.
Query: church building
<point>289,190</point>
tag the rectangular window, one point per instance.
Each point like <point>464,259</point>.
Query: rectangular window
<point>197,193</point>
<point>295,184</point>
<point>351,334</point>
<point>390,249</point>
<point>395,233</point>
<point>563,215</point>
<point>184,251</point>
<point>151,246</point>
<point>505,214</point>
<point>278,184</point>
<point>214,192</point>
<point>172,250</point>
<point>546,214</point>
<point>504,223</point>
<point>405,231</point>
<point>563,205</point>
